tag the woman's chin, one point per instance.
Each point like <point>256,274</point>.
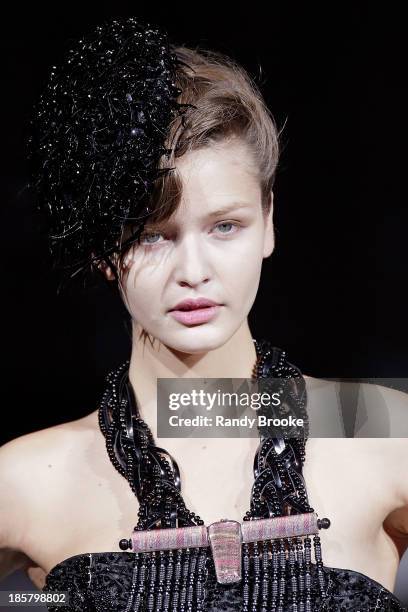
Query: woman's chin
<point>196,339</point>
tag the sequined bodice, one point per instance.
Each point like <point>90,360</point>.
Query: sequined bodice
<point>102,582</point>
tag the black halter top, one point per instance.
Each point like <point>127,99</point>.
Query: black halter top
<point>106,582</point>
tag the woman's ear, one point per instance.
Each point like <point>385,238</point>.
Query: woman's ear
<point>269,235</point>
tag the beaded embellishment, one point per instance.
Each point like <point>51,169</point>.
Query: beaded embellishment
<point>269,555</point>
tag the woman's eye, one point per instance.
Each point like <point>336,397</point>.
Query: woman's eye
<point>149,237</point>
<point>226,225</point>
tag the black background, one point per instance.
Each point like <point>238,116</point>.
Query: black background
<point>332,294</point>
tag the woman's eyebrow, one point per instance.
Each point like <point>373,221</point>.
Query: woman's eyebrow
<point>228,208</point>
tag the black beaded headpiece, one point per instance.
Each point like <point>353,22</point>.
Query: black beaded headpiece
<point>97,137</point>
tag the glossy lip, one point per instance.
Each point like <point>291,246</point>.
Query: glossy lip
<point>196,316</point>
<point>192,304</point>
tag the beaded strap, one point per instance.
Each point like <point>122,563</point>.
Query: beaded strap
<point>275,572</point>
<point>153,473</point>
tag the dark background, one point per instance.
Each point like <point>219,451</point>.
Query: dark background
<point>332,294</point>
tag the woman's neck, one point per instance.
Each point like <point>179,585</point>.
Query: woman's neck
<point>234,359</point>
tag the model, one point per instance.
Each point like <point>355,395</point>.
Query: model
<point>154,165</point>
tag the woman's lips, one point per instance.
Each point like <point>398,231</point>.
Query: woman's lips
<point>195,316</point>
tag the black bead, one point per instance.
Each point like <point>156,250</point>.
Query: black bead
<point>323,523</point>
<point>125,544</point>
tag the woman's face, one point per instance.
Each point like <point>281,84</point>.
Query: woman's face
<point>212,247</point>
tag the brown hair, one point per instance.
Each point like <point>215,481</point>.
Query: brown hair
<point>225,103</point>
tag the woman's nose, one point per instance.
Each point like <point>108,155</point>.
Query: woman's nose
<point>192,266</point>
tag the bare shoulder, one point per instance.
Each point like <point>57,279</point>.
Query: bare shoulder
<point>383,411</point>
<point>31,467</point>
<point>380,411</point>
<point>378,415</point>
<point>395,400</point>
<point>46,447</point>
<point>391,406</point>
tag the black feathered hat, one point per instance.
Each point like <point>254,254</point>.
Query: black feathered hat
<point>97,136</point>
